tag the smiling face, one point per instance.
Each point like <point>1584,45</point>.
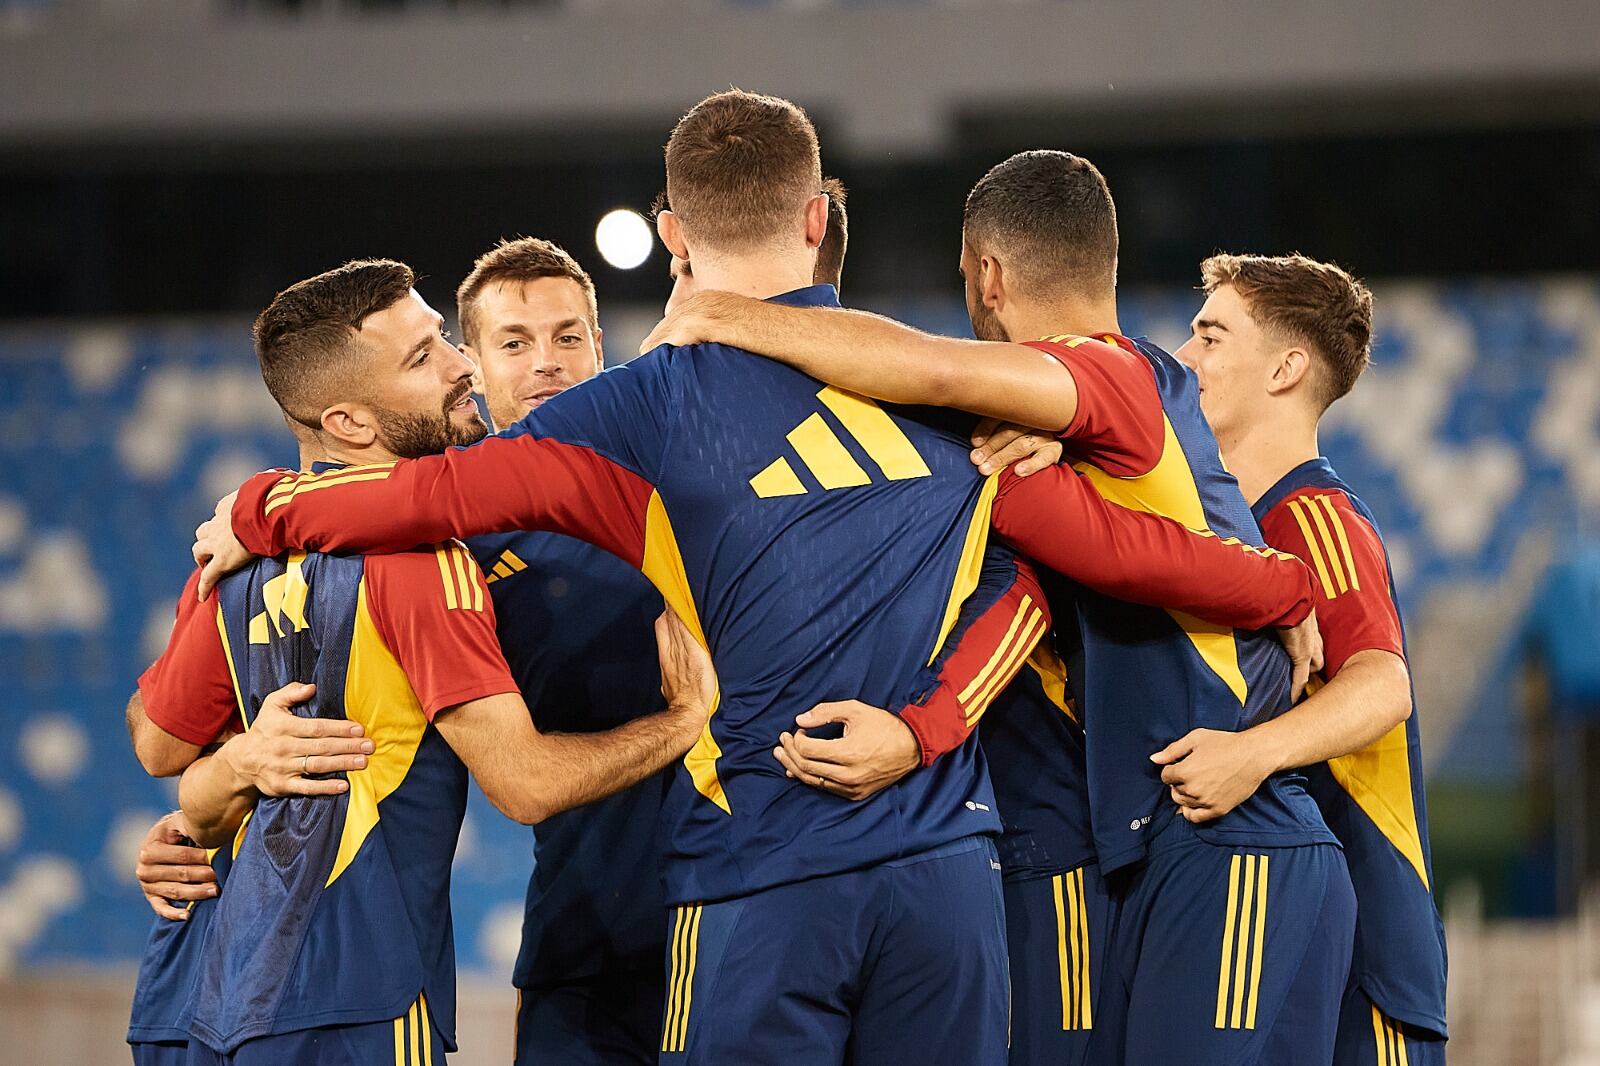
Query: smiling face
<point>418,385</point>
<point>535,340</point>
<point>1233,358</point>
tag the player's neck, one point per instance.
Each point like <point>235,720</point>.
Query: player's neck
<point>760,276</point>
<point>1262,454</point>
<point>320,451</point>
<point>1079,318</point>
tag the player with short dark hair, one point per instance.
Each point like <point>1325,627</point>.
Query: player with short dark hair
<point>331,940</point>
<point>1278,340</point>
<point>575,624</point>
<point>1260,899</point>
<point>812,579</point>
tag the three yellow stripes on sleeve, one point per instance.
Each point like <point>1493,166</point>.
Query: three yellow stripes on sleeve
<point>1323,528</point>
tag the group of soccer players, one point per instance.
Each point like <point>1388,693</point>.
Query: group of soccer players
<point>855,729</point>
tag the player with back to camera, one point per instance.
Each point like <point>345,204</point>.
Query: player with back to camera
<point>1267,881</point>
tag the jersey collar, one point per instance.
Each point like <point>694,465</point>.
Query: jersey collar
<point>320,467</point>
<point>810,296</point>
<point>1305,474</point>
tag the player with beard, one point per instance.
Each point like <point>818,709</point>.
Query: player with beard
<point>331,941</point>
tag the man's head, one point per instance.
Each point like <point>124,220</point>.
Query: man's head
<point>530,321</point>
<point>359,362</point>
<point>1038,229</point>
<point>744,175</point>
<point>1276,328</point>
<point>829,269</point>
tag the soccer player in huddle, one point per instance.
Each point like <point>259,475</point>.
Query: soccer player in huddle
<point>331,941</point>
<point>1279,339</point>
<point>1267,881</point>
<point>770,545</point>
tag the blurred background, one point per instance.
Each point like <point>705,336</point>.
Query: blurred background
<point>167,165</point>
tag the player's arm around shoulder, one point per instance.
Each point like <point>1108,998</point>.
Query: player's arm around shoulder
<point>881,358</point>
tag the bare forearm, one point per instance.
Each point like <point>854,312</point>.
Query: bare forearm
<point>554,772</point>
<point>214,799</point>
<point>1369,696</point>
<point>885,360</point>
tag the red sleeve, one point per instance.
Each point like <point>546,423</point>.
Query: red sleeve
<point>500,485</point>
<point>1119,426</point>
<point>987,655</point>
<point>432,609</point>
<point>1355,605</point>
<point>1058,520</point>
<point>188,692</point>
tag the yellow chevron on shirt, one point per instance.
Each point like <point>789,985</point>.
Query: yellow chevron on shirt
<point>820,450</point>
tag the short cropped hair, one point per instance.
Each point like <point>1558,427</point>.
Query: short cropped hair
<point>521,260</point>
<point>306,338</point>
<point>1313,303</point>
<point>1051,219</point>
<point>830,254</point>
<point>740,169</point>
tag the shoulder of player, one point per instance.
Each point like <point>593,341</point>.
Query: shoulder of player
<point>1323,525</point>
<point>447,572</point>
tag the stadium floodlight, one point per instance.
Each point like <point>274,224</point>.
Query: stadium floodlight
<point>624,238</point>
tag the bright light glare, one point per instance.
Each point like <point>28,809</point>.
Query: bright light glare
<point>624,238</point>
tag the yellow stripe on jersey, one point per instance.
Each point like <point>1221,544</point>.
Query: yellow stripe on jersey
<point>1066,969</point>
<point>1378,779</point>
<point>238,698</point>
<point>1169,489</point>
<point>680,984</point>
<point>663,565</point>
<point>825,455</point>
<point>1311,544</point>
<point>400,1041</point>
<point>377,695</point>
<point>983,676</point>
<point>1085,997</point>
<point>446,575</point>
<point>1032,630</point>
<point>1261,939</point>
<point>286,492</point>
<point>970,568</point>
<point>413,1031</point>
<point>1224,969</point>
<point>877,434</point>
<point>778,479</point>
<point>1330,550</point>
<point>1242,947</point>
<point>1244,935</point>
<point>1344,541</point>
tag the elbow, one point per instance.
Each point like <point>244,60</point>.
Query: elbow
<point>941,383</point>
<point>160,759</point>
<point>1396,689</point>
<point>527,810</point>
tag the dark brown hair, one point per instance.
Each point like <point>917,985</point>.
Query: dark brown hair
<point>1316,304</point>
<point>740,169</point>
<point>1049,216</point>
<point>521,260</point>
<point>306,338</point>
<point>830,254</point>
